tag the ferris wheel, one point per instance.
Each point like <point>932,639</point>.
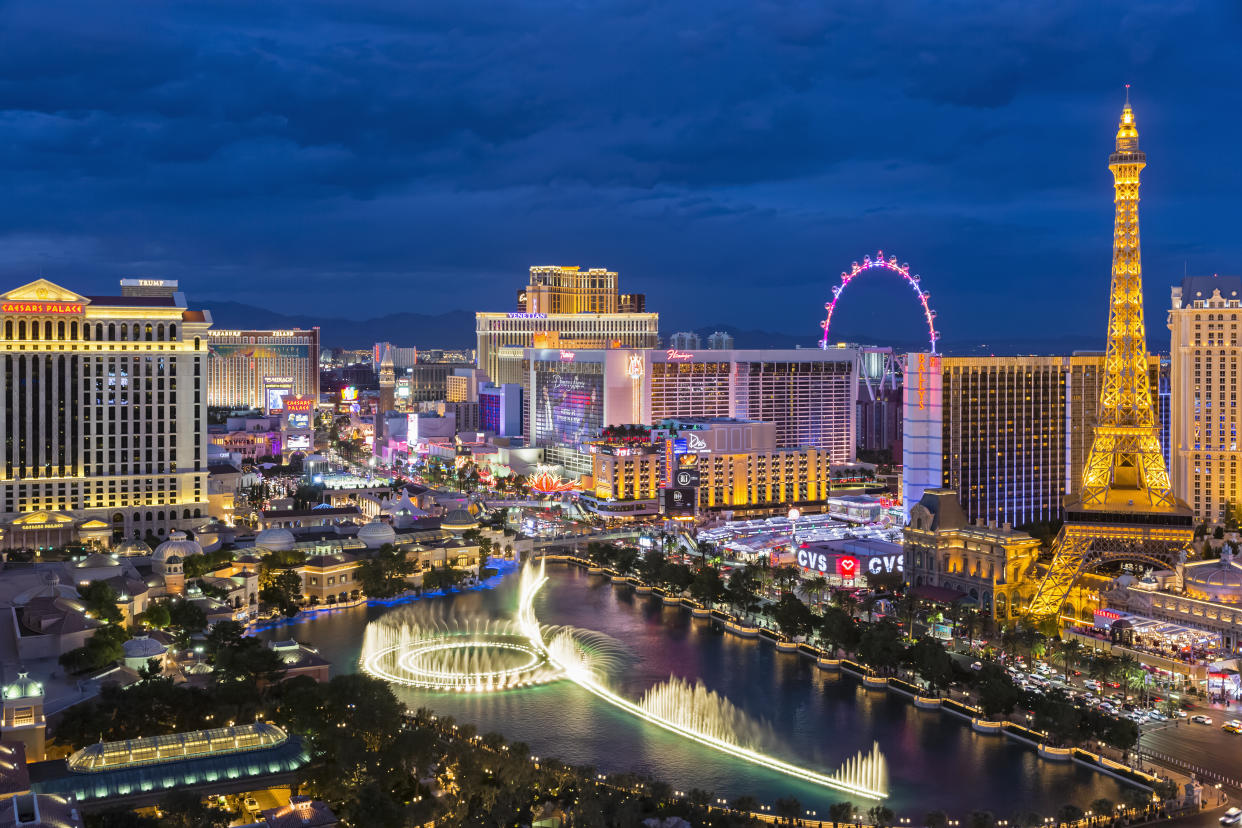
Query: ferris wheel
<point>880,263</point>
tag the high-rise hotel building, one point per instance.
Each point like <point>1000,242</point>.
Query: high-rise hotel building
<point>1203,322</point>
<point>104,413</point>
<point>808,395</point>
<point>563,307</point>
<point>1009,434</point>
<point>257,369</point>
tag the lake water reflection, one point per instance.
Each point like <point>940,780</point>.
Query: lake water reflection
<point>814,717</point>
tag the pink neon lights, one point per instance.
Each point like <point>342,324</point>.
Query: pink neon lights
<point>674,355</point>
<point>902,270</point>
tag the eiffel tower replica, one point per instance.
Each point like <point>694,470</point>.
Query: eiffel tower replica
<point>1125,509</point>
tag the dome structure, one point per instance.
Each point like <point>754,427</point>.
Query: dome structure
<point>178,545</point>
<point>376,533</point>
<point>132,548</point>
<point>275,539</point>
<point>23,687</point>
<point>1219,581</point>
<point>459,520</point>
<point>50,586</point>
<point>144,647</point>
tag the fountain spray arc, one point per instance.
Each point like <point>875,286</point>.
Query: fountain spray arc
<point>864,775</point>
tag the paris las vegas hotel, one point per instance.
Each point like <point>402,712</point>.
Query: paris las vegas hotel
<point>103,415</point>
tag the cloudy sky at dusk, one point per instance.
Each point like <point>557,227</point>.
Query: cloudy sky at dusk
<point>727,158</point>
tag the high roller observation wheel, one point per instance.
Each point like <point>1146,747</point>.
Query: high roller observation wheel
<point>881,263</point>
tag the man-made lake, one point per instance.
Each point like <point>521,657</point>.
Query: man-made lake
<point>812,717</point>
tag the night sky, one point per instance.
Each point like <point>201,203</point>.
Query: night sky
<point>728,158</point>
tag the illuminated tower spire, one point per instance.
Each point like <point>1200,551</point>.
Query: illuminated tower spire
<point>1125,459</point>
<point>1125,509</point>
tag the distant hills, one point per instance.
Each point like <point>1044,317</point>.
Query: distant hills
<point>455,329</point>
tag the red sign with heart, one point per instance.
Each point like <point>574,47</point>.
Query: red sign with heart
<point>847,567</point>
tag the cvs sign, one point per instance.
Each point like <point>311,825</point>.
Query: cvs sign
<point>849,567</point>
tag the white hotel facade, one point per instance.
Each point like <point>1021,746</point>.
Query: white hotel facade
<point>105,402</point>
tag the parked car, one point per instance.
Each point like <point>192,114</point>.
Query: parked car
<point>1201,719</point>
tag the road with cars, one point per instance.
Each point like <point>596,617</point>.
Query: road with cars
<point>1205,741</point>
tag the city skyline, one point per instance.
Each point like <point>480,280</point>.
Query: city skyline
<point>755,155</point>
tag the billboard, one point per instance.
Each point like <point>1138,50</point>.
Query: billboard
<point>685,478</point>
<point>299,404</point>
<point>298,442</point>
<point>679,502</point>
<point>245,350</point>
<point>299,421</point>
<point>569,408</point>
<point>274,396</point>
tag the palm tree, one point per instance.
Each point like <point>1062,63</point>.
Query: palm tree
<point>868,605</point>
<point>816,586</point>
<point>907,607</point>
<point>840,812</point>
<point>1129,673</point>
<point>847,602</point>
<point>1071,653</point>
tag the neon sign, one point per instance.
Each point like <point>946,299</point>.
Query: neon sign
<point>528,316</point>
<point>674,355</point>
<point>567,356</point>
<point>695,443</point>
<point>634,367</point>
<point>41,307</point>
<point>922,381</point>
<point>847,567</point>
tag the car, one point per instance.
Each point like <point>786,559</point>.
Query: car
<point>978,665</point>
<point>1201,719</point>
<point>1181,714</point>
<point>1157,716</point>
<point>1231,817</point>
<point>1230,727</point>
<point>252,806</point>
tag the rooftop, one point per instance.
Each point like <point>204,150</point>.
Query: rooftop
<point>157,749</point>
<point>139,770</point>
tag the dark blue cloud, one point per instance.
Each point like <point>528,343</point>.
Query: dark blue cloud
<point>729,159</point>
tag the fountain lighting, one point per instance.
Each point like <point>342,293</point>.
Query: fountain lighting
<point>865,774</point>
<point>490,656</point>
<point>476,658</point>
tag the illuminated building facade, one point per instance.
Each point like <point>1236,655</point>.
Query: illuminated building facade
<point>739,469</point>
<point>1203,322</point>
<point>562,307</point>
<point>554,290</point>
<point>255,369</point>
<point>947,555</point>
<point>104,413</point>
<point>808,396</point>
<point>500,409</point>
<point>1010,435</point>
<point>626,474</point>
